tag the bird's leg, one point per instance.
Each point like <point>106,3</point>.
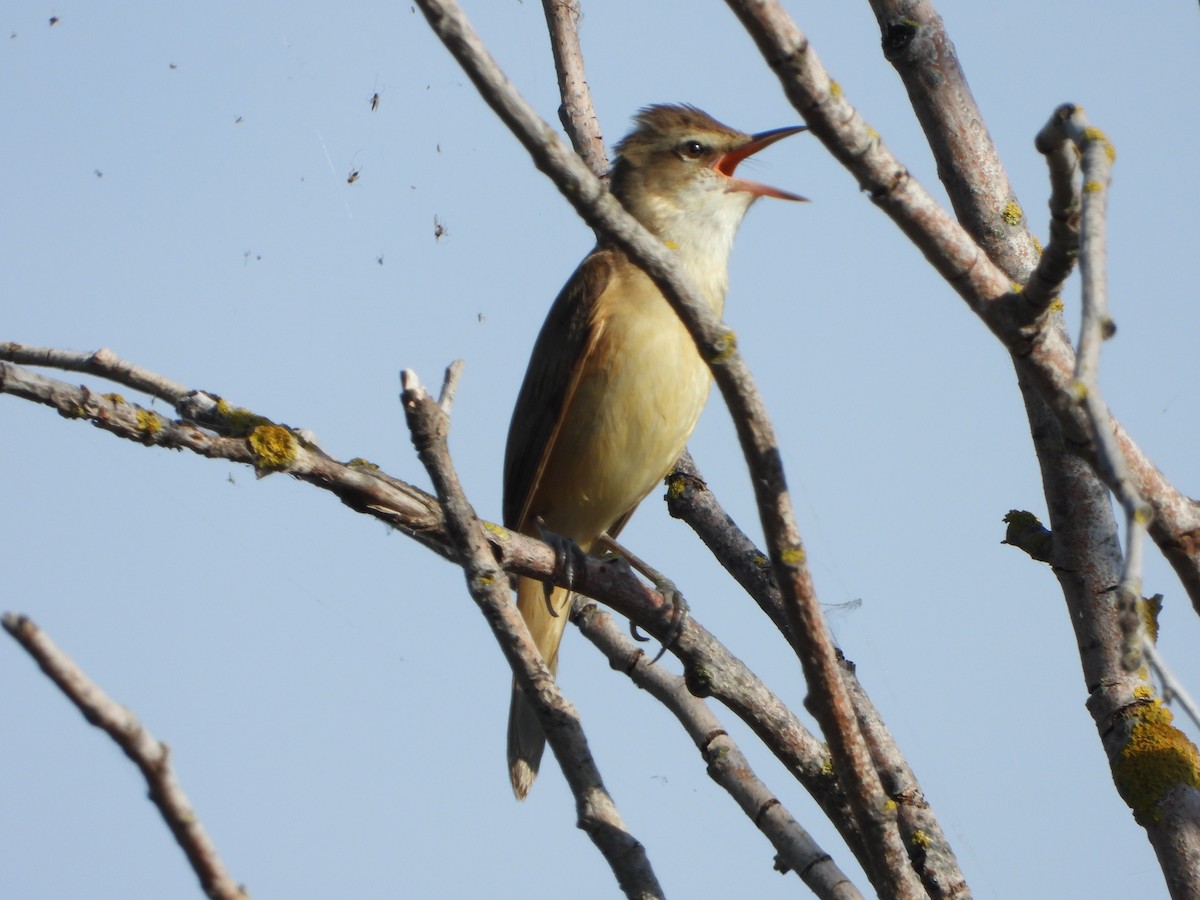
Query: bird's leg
<point>568,557</point>
<point>663,584</point>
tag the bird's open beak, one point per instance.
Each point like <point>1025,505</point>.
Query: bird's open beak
<point>729,162</point>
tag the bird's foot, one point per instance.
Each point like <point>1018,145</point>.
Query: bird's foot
<point>569,558</point>
<point>676,617</point>
<point>677,605</point>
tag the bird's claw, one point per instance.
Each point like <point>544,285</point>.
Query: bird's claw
<point>677,617</point>
<point>568,559</point>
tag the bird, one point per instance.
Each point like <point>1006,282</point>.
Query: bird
<point>615,384</point>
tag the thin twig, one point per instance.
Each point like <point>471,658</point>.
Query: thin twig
<point>152,757</point>
<point>1097,326</point>
<point>1173,690</point>
<point>1059,256</point>
<point>450,387</point>
<point>102,362</point>
<point>576,112</point>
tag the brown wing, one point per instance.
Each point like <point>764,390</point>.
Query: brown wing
<point>550,381</point>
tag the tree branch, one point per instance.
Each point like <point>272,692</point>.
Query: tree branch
<point>576,112</point>
<point>1046,359</point>
<point>152,757</point>
<point>713,670</point>
<point>797,851</point>
<point>690,499</point>
<point>598,815</point>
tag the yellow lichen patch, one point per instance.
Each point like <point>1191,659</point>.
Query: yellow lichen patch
<point>359,463</point>
<point>1156,758</point>
<point>761,561</point>
<point>835,89</point>
<point>274,447</point>
<point>148,422</point>
<point>726,346</point>
<point>921,839</point>
<point>1057,305</point>
<point>1012,212</point>
<point>1095,134</point>
<point>1150,609</point>
<point>676,488</point>
<point>1092,187</point>
<point>114,398</point>
<point>1037,244</point>
<point>670,245</point>
<point>495,529</point>
<point>792,556</point>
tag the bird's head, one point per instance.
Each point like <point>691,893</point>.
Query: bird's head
<point>675,171</point>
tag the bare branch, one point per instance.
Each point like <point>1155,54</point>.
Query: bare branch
<point>1046,359</point>
<point>366,489</point>
<point>690,499</point>
<point>576,112</point>
<point>152,757</point>
<point>916,44</point>
<point>1098,156</point>
<point>361,486</point>
<point>598,815</point>
<point>1058,259</point>
<point>450,387</point>
<point>103,362</point>
<point>248,438</point>
<point>1173,690</point>
<point>797,851</point>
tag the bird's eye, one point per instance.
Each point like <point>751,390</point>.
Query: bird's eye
<point>692,149</point>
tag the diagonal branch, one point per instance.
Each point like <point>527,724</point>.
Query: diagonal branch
<point>690,499</point>
<point>598,815</point>
<point>796,849</point>
<point>151,756</point>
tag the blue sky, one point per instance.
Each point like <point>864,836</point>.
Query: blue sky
<point>175,188</point>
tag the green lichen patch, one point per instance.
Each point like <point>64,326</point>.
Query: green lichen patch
<point>240,421</point>
<point>725,347</point>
